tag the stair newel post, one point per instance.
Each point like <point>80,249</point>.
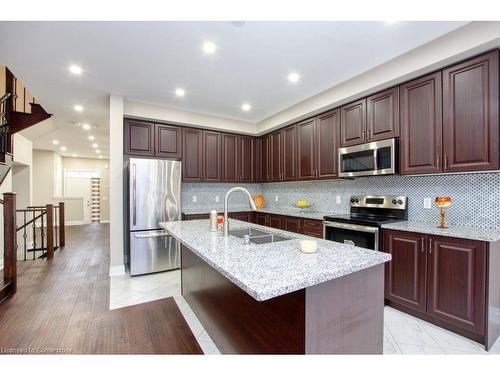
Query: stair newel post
<point>62,237</point>
<point>50,231</point>
<point>10,239</point>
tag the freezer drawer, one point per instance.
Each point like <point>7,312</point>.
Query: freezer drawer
<point>153,251</point>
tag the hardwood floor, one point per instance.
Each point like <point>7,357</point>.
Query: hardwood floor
<point>62,306</point>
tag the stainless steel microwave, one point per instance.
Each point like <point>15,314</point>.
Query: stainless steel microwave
<point>368,159</point>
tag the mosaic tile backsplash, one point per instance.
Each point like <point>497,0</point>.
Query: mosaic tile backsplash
<point>475,197</point>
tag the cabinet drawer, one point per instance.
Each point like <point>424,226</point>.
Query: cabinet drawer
<point>196,217</point>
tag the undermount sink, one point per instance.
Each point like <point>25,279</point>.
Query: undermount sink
<point>258,236</point>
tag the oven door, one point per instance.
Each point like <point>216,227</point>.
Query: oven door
<point>374,158</point>
<point>352,234</point>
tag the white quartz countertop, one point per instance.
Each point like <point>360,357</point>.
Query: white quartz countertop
<point>274,269</point>
<point>308,214</point>
<point>471,233</point>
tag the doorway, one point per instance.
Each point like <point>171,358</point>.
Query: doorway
<point>82,184</point>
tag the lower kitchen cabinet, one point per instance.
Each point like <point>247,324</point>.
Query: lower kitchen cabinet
<point>262,219</point>
<point>243,216</point>
<point>313,228</point>
<point>275,221</point>
<point>292,224</point>
<point>440,279</point>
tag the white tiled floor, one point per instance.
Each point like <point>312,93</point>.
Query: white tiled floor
<point>403,334</point>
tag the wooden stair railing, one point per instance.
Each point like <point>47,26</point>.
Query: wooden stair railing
<point>9,287</point>
<point>42,230</point>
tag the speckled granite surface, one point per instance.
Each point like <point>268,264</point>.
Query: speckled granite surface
<point>271,270</point>
<point>479,234</point>
<point>308,214</point>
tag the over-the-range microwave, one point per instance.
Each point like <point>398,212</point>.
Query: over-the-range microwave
<point>369,159</point>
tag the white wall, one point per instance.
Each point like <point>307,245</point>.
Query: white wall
<point>116,183</point>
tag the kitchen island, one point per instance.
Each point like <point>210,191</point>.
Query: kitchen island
<point>271,298</point>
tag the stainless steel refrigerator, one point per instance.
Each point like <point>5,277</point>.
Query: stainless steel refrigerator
<point>155,196</point>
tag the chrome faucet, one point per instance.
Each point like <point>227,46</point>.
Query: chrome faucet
<point>226,222</point>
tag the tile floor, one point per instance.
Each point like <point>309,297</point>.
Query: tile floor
<point>403,334</point>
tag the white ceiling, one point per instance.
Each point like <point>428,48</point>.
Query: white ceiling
<point>147,61</point>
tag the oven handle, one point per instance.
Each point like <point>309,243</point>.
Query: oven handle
<point>361,228</point>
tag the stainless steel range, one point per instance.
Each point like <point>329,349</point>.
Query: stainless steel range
<point>362,226</point>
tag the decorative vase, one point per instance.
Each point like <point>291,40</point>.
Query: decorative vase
<point>442,202</point>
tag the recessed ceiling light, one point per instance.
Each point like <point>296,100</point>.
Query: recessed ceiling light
<point>78,108</point>
<point>293,77</point>
<point>100,156</point>
<point>55,142</point>
<point>63,148</point>
<point>209,47</point>
<point>390,21</point>
<point>75,69</point>
<point>98,151</point>
<point>74,155</point>
<point>246,107</point>
<point>180,92</point>
<point>94,145</point>
<point>86,126</point>
<point>91,137</point>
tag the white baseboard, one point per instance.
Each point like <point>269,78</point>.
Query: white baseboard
<point>117,270</point>
<point>79,222</point>
<point>104,221</point>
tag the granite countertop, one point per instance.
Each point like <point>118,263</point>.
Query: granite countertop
<point>471,233</point>
<point>271,270</point>
<point>315,215</point>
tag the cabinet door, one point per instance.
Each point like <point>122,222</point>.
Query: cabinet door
<point>243,216</point>
<point>313,228</point>
<point>327,144</point>
<point>192,149</point>
<point>265,159</point>
<point>275,154</point>
<point>289,154</point>
<point>246,157</point>
<point>212,156</point>
<point>275,221</point>
<point>168,141</point>
<point>353,123</point>
<point>383,115</point>
<point>457,282</point>
<point>139,138</point>
<point>306,137</point>
<point>421,125</point>
<point>230,158</point>
<point>406,272</point>
<point>470,115</point>
<point>262,219</point>
<point>292,224</point>
<point>257,160</point>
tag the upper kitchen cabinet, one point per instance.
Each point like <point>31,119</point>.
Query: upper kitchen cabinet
<point>421,125</point>
<point>168,141</point>
<point>246,158</point>
<point>382,111</point>
<point>470,115</point>
<point>212,156</point>
<point>139,138</point>
<point>192,155</point>
<point>275,155</point>
<point>230,157</point>
<point>353,123</point>
<point>289,154</point>
<point>306,169</point>
<point>327,144</point>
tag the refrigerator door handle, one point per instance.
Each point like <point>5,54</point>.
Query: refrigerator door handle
<point>134,193</point>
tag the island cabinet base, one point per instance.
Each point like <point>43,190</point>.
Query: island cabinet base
<point>342,316</point>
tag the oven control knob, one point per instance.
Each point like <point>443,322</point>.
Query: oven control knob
<point>353,200</point>
<point>400,201</point>
<point>394,201</point>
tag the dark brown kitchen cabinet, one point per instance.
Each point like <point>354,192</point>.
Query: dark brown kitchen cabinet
<point>470,115</point>
<point>353,123</point>
<point>289,154</point>
<point>327,144</point>
<point>292,224</point>
<point>257,160</point>
<point>192,155</point>
<point>442,279</point>
<point>246,159</point>
<point>263,219</point>
<point>168,141</point>
<point>139,138</point>
<point>421,125</point>
<point>212,156</point>
<point>406,272</point>
<point>275,221</point>
<point>265,158</point>
<point>243,216</point>
<point>313,228</point>
<point>306,134</point>
<point>230,157</point>
<point>382,111</point>
<point>276,155</point>
<point>457,282</point>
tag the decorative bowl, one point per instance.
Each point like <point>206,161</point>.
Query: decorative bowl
<point>259,201</point>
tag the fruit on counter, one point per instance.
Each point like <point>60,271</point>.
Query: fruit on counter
<point>303,202</point>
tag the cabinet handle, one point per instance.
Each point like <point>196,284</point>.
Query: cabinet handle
<point>445,162</point>
<point>368,135</point>
<point>437,161</point>
<point>364,135</point>
<point>430,245</point>
<point>423,245</point>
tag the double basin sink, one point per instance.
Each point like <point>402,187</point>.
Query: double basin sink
<point>257,236</point>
